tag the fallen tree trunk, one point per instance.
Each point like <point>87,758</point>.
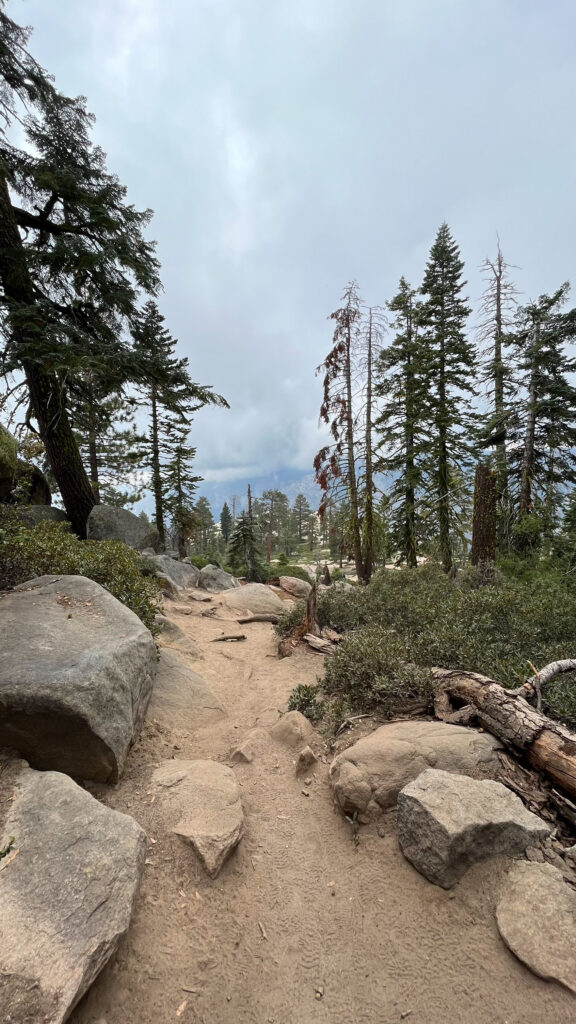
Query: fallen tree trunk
<point>545,744</point>
<point>259,617</point>
<point>309,624</point>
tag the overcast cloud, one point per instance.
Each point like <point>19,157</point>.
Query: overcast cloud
<point>287,146</point>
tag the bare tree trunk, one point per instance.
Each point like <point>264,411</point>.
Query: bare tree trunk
<point>483,550</point>
<point>528,453</point>
<point>93,457</point>
<point>156,471</point>
<point>368,523</point>
<point>352,482</point>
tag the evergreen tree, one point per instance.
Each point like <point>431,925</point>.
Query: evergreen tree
<point>178,483</point>
<point>301,513</point>
<point>112,448</point>
<point>403,418</point>
<point>244,554</point>
<point>450,364</point>
<point>204,533</point>
<point>226,522</point>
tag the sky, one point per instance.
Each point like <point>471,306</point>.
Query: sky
<point>288,146</point>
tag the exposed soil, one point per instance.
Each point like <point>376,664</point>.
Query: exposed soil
<point>310,921</point>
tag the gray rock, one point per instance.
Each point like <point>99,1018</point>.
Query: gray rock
<point>167,587</point>
<point>255,742</point>
<point>67,893</point>
<point>369,775</point>
<point>31,515</point>
<point>536,917</point>
<point>172,636</point>
<point>147,552</point>
<point>298,588</point>
<point>106,522</point>
<point>214,579</point>
<point>448,822</point>
<point>76,672</point>
<point>8,461</point>
<point>181,695</point>
<point>172,553</point>
<point>293,729</point>
<point>180,574</point>
<point>30,485</point>
<point>255,598</point>
<point>205,797</point>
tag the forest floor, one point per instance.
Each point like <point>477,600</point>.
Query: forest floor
<point>308,922</point>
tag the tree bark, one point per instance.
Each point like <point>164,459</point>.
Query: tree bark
<point>483,551</point>
<point>368,523</point>
<point>156,475</point>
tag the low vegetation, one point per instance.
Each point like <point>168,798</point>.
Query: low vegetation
<point>408,620</point>
<point>51,548</point>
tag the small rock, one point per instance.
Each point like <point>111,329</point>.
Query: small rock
<point>306,759</point>
<point>448,822</point>
<point>298,588</point>
<point>253,744</point>
<point>305,792</point>
<point>307,782</point>
<point>292,729</point>
<point>535,854</point>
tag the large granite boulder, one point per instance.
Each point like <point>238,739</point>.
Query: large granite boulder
<point>67,890</point>
<point>8,461</point>
<point>30,485</point>
<point>76,672</point>
<point>203,797</point>
<point>448,822</point>
<point>536,918</point>
<point>255,598</point>
<point>106,522</point>
<point>369,775</point>
<point>295,587</point>
<point>181,574</point>
<point>181,697</point>
<point>214,579</point>
<point>31,515</point>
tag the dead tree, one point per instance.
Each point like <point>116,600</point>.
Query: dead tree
<point>309,624</point>
<point>484,520</point>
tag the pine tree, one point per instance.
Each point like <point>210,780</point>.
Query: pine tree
<point>204,533</point>
<point>244,553</point>
<point>226,522</point>
<point>178,483</point>
<point>111,446</point>
<point>450,364</point>
<point>301,512</point>
<point>403,418</point>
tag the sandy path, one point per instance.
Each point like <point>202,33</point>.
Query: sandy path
<point>305,924</point>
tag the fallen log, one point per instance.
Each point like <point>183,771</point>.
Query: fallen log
<point>318,644</point>
<point>545,744</point>
<point>228,637</point>
<point>260,617</point>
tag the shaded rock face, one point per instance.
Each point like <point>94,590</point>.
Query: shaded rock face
<point>293,729</point>
<point>448,822</point>
<point>76,672</point>
<point>214,579</point>
<point>370,774</point>
<point>67,894</point>
<point>8,461</point>
<point>180,574</point>
<point>31,515</point>
<point>106,522</point>
<point>181,695</point>
<point>204,798</point>
<point>298,588</point>
<point>254,597</point>
<point>31,485</point>
<point>536,918</point>
<point>173,636</point>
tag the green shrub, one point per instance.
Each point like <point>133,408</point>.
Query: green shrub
<point>199,561</point>
<point>51,549</point>
<point>305,700</point>
<point>296,571</point>
<point>282,559</point>
<point>290,619</point>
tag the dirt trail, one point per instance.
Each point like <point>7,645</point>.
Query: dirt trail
<point>305,924</point>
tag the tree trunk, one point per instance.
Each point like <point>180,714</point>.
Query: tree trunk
<point>483,550</point>
<point>44,388</point>
<point>500,455</point>
<point>156,473</point>
<point>93,457</point>
<point>528,454</point>
<point>351,474</point>
<point>409,468</point>
<point>368,523</point>
<point>443,467</point>
<point>547,745</point>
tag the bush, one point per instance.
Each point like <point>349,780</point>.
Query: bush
<point>199,561</point>
<point>296,571</point>
<point>305,700</point>
<point>51,549</point>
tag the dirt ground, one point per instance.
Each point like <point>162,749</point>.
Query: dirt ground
<point>308,922</point>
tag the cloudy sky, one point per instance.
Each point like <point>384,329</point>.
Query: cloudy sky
<point>287,146</point>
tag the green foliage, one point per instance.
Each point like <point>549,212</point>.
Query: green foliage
<point>50,548</point>
<point>296,571</point>
<point>305,700</point>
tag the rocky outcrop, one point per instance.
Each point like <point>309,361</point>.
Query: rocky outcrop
<point>31,515</point>
<point>293,729</point>
<point>448,822</point>
<point>30,485</point>
<point>256,598</point>
<point>204,799</point>
<point>214,579</point>
<point>298,588</point>
<point>8,461</point>
<point>76,672</point>
<point>181,574</point>
<point>182,696</point>
<point>172,636</point>
<point>536,917</point>
<point>106,522</point>
<point>67,890</point>
<point>369,775</point>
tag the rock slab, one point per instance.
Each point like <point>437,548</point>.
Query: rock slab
<point>205,797</point>
<point>214,579</point>
<point>448,822</point>
<point>76,672</point>
<point>536,918</point>
<point>107,522</point>
<point>298,588</point>
<point>180,574</point>
<point>369,775</point>
<point>181,697</point>
<point>67,890</point>
<point>255,598</point>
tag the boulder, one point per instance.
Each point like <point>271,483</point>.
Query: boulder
<point>147,552</point>
<point>107,522</point>
<point>370,774</point>
<point>204,799</point>
<point>448,822</point>
<point>298,588</point>
<point>180,574</point>
<point>254,743</point>
<point>306,760</point>
<point>8,461</point>
<point>181,696</point>
<point>172,636</point>
<point>214,579</point>
<point>255,598</point>
<point>67,891</point>
<point>30,485</point>
<point>31,515</point>
<point>293,729</point>
<point>536,917</point>
<point>76,672</point>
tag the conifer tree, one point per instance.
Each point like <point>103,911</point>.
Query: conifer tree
<point>178,483</point>
<point>301,513</point>
<point>226,522</point>
<point>244,553</point>
<point>450,363</point>
<point>204,532</point>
